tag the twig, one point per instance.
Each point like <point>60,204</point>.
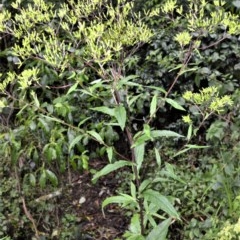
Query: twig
<point>25,209</point>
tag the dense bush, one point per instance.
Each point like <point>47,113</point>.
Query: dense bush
<point>83,79</point>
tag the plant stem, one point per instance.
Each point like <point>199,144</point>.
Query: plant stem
<point>133,155</point>
<point>136,175</point>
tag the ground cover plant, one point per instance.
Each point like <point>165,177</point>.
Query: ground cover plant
<point>113,111</point>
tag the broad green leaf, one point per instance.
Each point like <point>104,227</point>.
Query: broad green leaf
<point>174,104</point>
<point>153,106</point>
<point>160,231</point>
<point>141,140</point>
<point>106,110</point>
<point>96,136</point>
<point>32,179</point>
<point>122,199</point>
<point>74,142</point>
<point>110,153</point>
<point>147,130</point>
<point>158,157</point>
<point>72,88</point>
<point>164,133</point>
<point>135,226</point>
<point>133,190</point>
<point>144,185</point>
<point>43,179</point>
<point>85,160</point>
<point>121,116</point>
<point>139,154</point>
<point>156,88</point>
<point>52,177</point>
<point>161,201</point>
<point>110,168</point>
<point>134,232</point>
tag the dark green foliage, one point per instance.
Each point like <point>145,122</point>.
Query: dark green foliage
<point>109,84</point>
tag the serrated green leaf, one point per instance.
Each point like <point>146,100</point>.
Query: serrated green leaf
<point>174,104</point>
<point>161,201</point>
<point>160,231</point>
<point>106,110</point>
<point>121,116</point>
<point>164,133</point>
<point>110,168</point>
<point>153,106</point>
<point>96,136</point>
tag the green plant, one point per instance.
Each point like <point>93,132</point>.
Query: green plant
<point>68,94</point>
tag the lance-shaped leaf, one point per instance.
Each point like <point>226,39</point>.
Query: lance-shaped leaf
<point>164,133</point>
<point>161,201</point>
<point>139,154</point>
<point>96,136</point>
<point>110,168</point>
<point>174,104</point>
<point>121,116</point>
<point>160,231</point>
<point>153,106</point>
<point>106,110</point>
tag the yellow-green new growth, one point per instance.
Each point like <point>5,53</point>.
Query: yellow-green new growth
<point>187,119</point>
<point>229,231</point>
<point>209,99</point>
<point>183,38</point>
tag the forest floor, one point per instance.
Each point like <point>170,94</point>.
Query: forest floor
<point>84,200</point>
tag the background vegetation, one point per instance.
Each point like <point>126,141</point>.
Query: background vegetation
<point>140,98</point>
